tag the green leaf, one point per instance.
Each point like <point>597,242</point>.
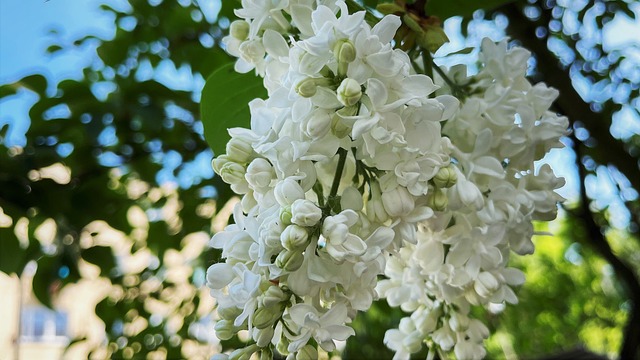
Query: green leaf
<point>445,9</point>
<point>101,256</point>
<point>37,83</point>
<point>8,90</point>
<point>43,279</point>
<point>10,252</point>
<point>225,104</point>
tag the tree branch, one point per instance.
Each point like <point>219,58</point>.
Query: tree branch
<point>631,343</point>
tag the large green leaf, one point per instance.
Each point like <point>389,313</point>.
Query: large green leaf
<point>225,104</point>
<point>447,8</point>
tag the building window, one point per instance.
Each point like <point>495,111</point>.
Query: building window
<point>40,324</point>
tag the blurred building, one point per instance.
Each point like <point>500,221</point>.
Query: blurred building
<point>30,330</point>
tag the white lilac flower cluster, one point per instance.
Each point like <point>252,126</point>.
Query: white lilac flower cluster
<point>347,175</point>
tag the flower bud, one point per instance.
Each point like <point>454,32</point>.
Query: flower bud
<point>375,208</point>
<point>294,237</point>
<point>287,191</point>
<point>270,233</point>
<point>273,296</point>
<point>239,29</point>
<point>344,51</point>
<point>338,127</point>
<point>437,200</point>
<point>349,92</point>
<point>232,173</point>
<point>389,8</point>
<point>318,125</point>
<point>305,213</point>
<point>308,352</point>
<point>229,313</point>
<point>252,51</point>
<point>432,38</point>
<point>283,345</point>
<point>266,353</point>
<point>259,173</point>
<point>446,177</point>
<point>225,329</point>
<point>264,317</point>
<point>244,353</point>
<point>263,336</point>
<point>458,322</point>
<point>307,87</point>
<point>289,260</point>
<point>285,215</point>
<point>239,151</point>
<point>219,162</point>
<point>398,202</point>
<point>486,284</point>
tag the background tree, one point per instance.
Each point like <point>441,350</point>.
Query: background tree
<point>118,134</point>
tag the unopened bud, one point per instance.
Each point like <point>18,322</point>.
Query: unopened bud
<point>283,345</point>
<point>259,173</point>
<point>225,329</point>
<point>232,173</point>
<point>273,296</point>
<point>264,317</point>
<point>244,353</point>
<point>344,51</point>
<point>318,125</point>
<point>486,284</point>
<point>437,200</point>
<point>287,191</point>
<point>219,162</point>
<point>263,336</point>
<point>294,237</point>
<point>289,260</point>
<point>305,213</point>
<point>390,8</point>
<point>445,178</point>
<point>375,208</point>
<point>349,92</point>
<point>433,38</point>
<point>285,215</point>
<point>412,23</point>
<point>266,353</point>
<point>308,352</point>
<point>309,86</point>
<point>458,322</point>
<point>229,313</point>
<point>398,202</point>
<point>239,151</point>
<point>239,29</point>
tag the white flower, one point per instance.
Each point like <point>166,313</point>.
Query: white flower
<point>305,213</point>
<point>339,242</point>
<point>323,327</point>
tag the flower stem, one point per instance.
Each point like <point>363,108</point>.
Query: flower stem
<point>342,153</point>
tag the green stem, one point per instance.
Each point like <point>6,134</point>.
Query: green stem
<point>428,63</point>
<point>444,76</point>
<point>342,153</point>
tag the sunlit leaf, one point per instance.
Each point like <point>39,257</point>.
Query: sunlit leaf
<point>224,104</point>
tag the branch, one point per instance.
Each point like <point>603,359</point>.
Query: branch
<point>631,344</point>
<point>608,150</point>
